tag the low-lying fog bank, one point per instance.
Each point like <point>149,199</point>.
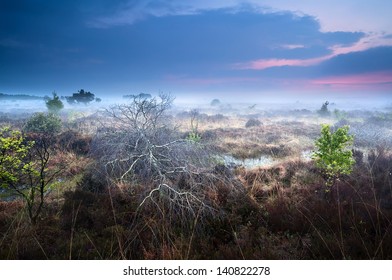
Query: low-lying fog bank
<point>215,105</point>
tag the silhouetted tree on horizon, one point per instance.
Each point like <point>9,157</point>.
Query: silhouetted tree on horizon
<point>81,96</point>
<point>324,110</point>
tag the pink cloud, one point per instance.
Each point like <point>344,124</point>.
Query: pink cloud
<point>365,43</point>
<point>262,64</point>
<point>378,80</point>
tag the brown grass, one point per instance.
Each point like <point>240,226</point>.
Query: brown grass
<point>280,211</point>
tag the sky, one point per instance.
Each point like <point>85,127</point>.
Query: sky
<point>201,48</point>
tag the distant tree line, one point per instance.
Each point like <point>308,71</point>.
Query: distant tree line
<point>55,104</point>
<point>4,96</point>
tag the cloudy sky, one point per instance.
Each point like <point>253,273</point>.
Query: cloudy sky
<point>189,47</point>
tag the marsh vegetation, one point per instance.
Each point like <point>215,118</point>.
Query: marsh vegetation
<point>148,179</point>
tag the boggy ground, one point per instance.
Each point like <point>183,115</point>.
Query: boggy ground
<point>280,210</point>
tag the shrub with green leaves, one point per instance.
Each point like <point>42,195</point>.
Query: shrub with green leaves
<point>20,174</point>
<point>13,152</point>
<point>54,104</point>
<point>194,137</point>
<point>28,172</point>
<point>332,154</point>
<point>43,123</point>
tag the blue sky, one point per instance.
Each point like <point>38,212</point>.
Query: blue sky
<point>223,48</point>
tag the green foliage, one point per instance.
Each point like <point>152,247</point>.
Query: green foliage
<point>42,123</point>
<point>194,137</point>
<point>13,152</point>
<point>41,128</point>
<point>332,154</point>
<point>24,167</point>
<point>54,105</point>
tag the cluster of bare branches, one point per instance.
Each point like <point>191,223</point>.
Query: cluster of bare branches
<point>138,142</point>
<point>137,145</point>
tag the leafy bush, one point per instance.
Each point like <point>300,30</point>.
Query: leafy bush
<point>54,105</point>
<point>13,152</point>
<point>24,170</point>
<point>332,154</point>
<point>194,137</point>
<point>42,123</point>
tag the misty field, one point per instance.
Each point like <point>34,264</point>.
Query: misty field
<point>149,179</point>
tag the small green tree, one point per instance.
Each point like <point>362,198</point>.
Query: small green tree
<point>41,129</point>
<point>54,105</point>
<point>194,135</point>
<point>19,173</point>
<point>25,168</point>
<point>332,154</point>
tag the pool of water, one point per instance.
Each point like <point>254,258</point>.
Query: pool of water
<point>262,161</point>
<point>249,162</point>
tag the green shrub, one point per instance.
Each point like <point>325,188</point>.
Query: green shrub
<point>20,173</point>
<point>13,152</point>
<point>194,137</point>
<point>333,155</point>
<point>43,124</point>
<point>54,105</point>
